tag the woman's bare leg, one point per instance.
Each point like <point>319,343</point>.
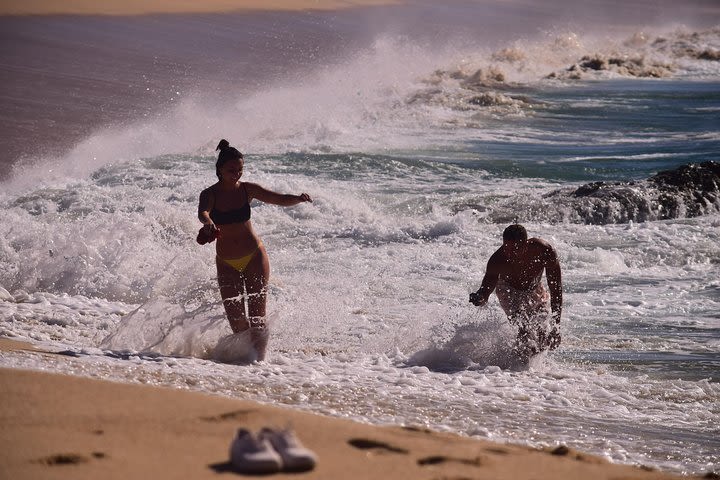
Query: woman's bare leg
<point>257,275</point>
<point>232,291</point>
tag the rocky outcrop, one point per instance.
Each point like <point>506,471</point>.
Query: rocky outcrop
<point>628,67</point>
<point>688,191</point>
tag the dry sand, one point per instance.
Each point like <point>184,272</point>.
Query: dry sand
<point>65,427</point>
<point>139,7</point>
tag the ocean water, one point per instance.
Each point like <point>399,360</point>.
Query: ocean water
<point>417,157</point>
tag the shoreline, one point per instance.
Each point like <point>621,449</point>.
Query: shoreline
<point>140,7</point>
<point>61,426</point>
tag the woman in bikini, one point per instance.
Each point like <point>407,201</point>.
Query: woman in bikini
<point>243,268</point>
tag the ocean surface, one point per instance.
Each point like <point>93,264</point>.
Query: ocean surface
<point>419,145</point>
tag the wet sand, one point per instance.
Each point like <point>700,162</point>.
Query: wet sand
<point>59,426</point>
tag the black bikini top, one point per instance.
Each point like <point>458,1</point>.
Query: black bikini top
<point>239,215</point>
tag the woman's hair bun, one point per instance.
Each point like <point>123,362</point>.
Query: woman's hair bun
<point>222,145</point>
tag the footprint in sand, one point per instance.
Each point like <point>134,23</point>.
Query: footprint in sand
<point>418,429</point>
<point>364,444</point>
<point>234,415</point>
<point>560,450</point>
<point>63,459</point>
<point>68,458</point>
<point>498,450</point>
<point>564,451</point>
<point>438,459</point>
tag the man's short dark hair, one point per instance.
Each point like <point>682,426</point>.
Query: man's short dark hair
<point>515,233</point>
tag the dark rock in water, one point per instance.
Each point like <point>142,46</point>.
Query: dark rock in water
<point>690,191</point>
<point>687,191</point>
<point>625,66</point>
<point>594,63</point>
<point>612,203</point>
<point>704,175</point>
<point>485,78</point>
<point>590,189</point>
<point>709,54</point>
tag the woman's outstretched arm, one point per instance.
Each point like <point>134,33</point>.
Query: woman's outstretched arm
<point>268,196</point>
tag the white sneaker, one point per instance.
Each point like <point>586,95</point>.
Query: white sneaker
<point>250,454</point>
<point>295,457</point>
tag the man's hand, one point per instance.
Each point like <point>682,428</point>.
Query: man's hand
<point>554,338</point>
<point>477,299</point>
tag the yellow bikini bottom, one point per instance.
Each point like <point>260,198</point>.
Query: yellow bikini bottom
<point>240,264</point>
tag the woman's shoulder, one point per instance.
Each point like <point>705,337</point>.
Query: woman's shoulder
<point>251,188</point>
<point>209,191</point>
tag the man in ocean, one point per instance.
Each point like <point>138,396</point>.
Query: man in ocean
<point>515,273</point>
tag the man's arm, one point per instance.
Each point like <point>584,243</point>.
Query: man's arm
<point>492,273</point>
<point>554,280</point>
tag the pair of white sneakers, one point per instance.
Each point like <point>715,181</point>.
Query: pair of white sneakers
<point>270,451</point>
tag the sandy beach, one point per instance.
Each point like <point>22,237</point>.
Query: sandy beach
<point>140,7</point>
<point>58,426</point>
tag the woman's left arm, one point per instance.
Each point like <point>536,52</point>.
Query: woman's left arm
<point>268,196</point>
